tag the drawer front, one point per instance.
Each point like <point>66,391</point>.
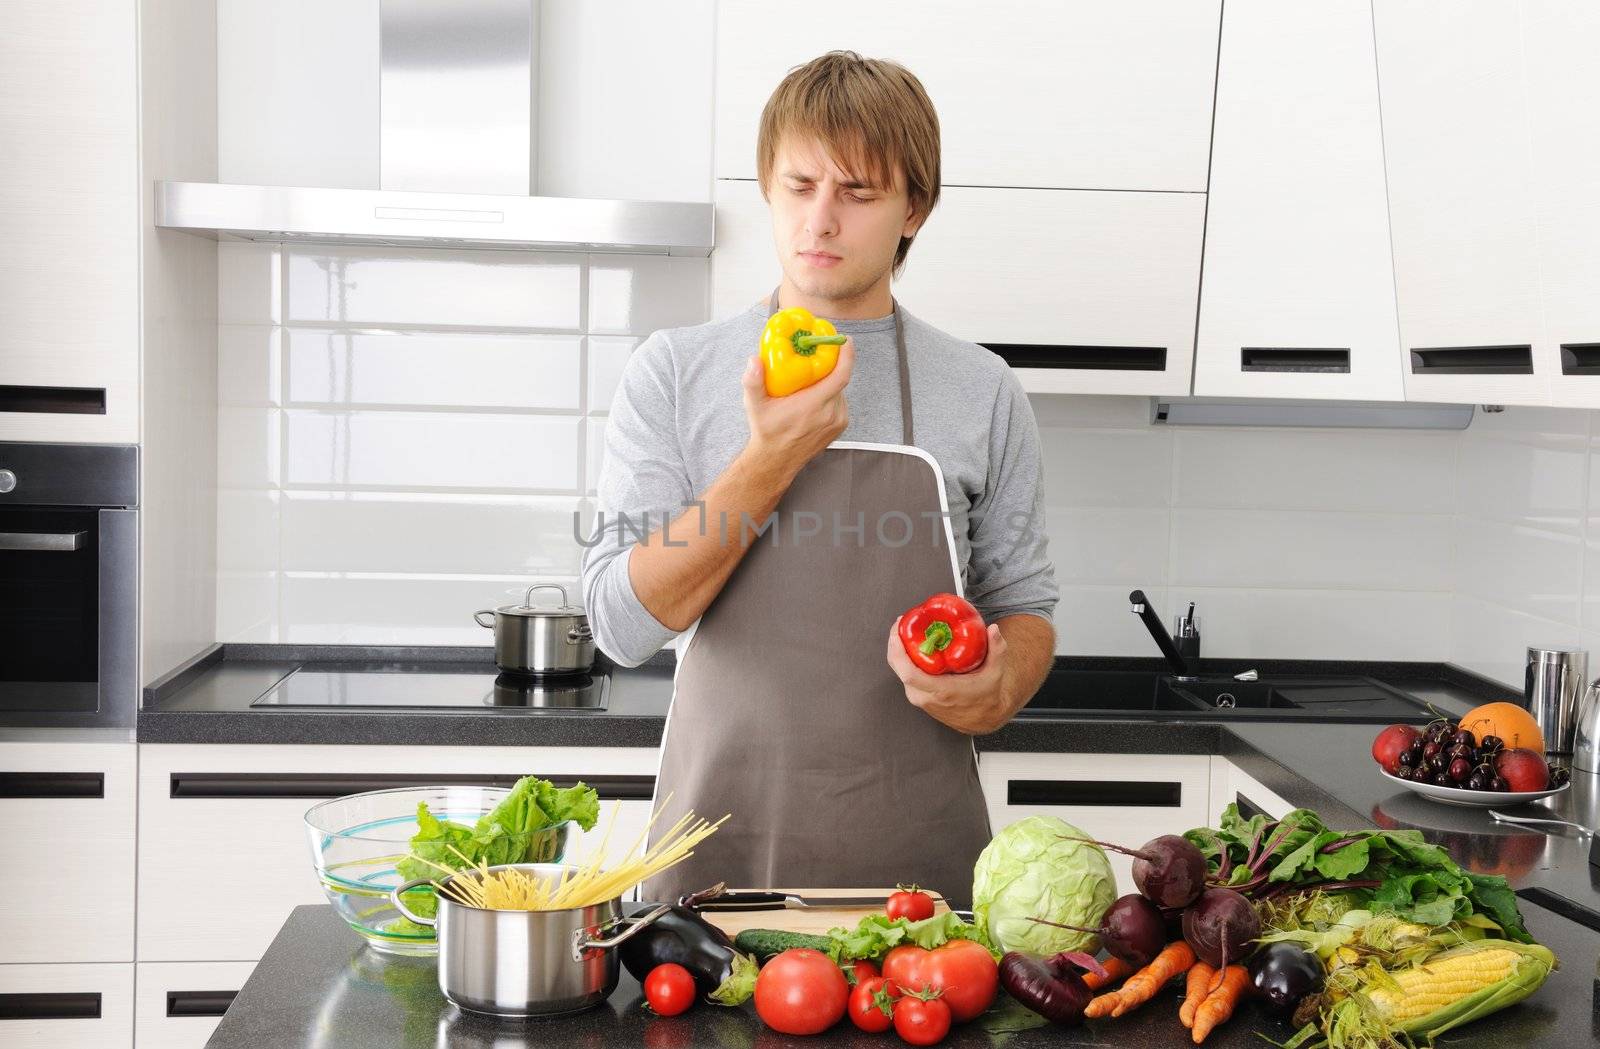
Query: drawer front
<point>178,1004</point>
<point>66,1006</point>
<point>223,852</point>
<point>1231,785</point>
<point>77,801</point>
<point>1126,799</point>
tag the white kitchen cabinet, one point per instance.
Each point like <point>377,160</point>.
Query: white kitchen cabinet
<point>1098,288</point>
<point>69,221</point>
<point>1298,295</point>
<point>176,1005</point>
<point>1077,95</point>
<point>223,851</point>
<point>1559,41</point>
<point>1232,785</point>
<point>1461,206</point>
<point>1126,799</point>
<point>66,1006</point>
<point>70,807</point>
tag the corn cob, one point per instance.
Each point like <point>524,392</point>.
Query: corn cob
<point>1451,988</point>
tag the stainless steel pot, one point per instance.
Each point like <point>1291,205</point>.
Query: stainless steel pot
<point>530,639</point>
<point>527,963</point>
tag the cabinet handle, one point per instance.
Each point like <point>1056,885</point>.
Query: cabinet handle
<point>1133,793</point>
<point>1294,359</point>
<point>199,1003</point>
<point>54,400</point>
<point>1084,358</point>
<point>72,1005</point>
<point>1473,360</point>
<point>1247,808</point>
<point>52,784</point>
<point>1580,358</point>
<point>333,784</point>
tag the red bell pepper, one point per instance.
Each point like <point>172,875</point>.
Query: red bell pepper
<point>945,635</point>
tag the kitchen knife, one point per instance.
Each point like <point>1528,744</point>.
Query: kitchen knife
<point>777,901</point>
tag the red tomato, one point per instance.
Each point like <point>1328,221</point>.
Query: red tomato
<point>859,970</point>
<point>909,903</point>
<point>921,1022</point>
<point>801,991</point>
<point>669,989</point>
<point>868,1001</point>
<point>962,971</point>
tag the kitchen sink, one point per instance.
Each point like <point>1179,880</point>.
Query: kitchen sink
<point>1087,693</point>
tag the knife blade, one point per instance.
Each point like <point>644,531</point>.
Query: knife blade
<point>777,901</point>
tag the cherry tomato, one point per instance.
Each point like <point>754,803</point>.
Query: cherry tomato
<point>858,970</point>
<point>801,991</point>
<point>868,1001</point>
<point>669,989</point>
<point>921,1021</point>
<point>963,971</point>
<point>909,903</point>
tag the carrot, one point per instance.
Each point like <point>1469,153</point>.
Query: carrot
<point>1219,1004</point>
<point>1115,969</point>
<point>1195,991</point>
<point>1177,957</point>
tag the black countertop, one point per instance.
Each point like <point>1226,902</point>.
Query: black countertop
<point>319,986</point>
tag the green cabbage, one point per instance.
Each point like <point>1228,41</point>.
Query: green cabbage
<point>1029,871</point>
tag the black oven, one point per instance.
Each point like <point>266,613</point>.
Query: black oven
<point>69,573</point>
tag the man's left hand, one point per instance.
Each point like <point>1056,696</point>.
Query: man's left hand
<point>975,702</point>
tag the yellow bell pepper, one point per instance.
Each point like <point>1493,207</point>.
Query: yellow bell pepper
<point>797,350</point>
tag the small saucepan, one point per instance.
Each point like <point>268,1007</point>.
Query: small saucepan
<point>537,640</point>
<point>526,963</point>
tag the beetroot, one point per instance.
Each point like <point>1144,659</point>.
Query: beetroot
<point>1220,926</point>
<point>1169,870</point>
<point>1132,929</point>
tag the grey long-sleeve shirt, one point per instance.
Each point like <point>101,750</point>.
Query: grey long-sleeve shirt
<point>677,421</point>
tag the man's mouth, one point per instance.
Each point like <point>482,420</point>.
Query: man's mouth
<point>820,258</point>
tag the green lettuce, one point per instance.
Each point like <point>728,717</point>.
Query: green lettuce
<point>877,934</point>
<point>512,832</point>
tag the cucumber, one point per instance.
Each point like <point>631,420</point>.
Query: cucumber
<point>764,943</point>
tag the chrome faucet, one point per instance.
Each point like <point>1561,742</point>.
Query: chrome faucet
<point>1152,623</point>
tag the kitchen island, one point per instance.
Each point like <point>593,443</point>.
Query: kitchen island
<point>319,986</point>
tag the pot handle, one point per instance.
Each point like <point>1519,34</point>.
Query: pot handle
<point>477,617</point>
<point>394,898</point>
<point>581,941</point>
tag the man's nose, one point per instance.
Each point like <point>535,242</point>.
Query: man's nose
<point>822,217</point>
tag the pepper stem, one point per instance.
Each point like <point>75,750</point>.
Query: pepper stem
<point>936,638</point>
<point>805,343</point>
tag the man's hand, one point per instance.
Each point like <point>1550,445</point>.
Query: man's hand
<point>792,430</point>
<point>976,702</point>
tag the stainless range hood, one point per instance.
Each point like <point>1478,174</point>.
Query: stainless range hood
<point>458,152</point>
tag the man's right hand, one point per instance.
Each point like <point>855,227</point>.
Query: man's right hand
<point>788,432</point>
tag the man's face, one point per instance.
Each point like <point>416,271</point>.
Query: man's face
<point>836,235</point>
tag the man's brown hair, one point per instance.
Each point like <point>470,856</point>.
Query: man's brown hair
<point>873,118</point>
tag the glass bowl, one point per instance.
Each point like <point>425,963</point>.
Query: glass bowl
<point>357,840</point>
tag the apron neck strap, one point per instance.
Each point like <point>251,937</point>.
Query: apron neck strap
<point>902,358</point>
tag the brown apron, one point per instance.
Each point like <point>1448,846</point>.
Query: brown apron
<point>785,712</point>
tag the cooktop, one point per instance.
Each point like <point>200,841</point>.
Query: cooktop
<point>423,685</point>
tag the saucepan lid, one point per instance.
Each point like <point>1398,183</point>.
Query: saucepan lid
<point>528,608</point>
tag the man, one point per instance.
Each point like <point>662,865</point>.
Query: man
<point>788,554</point>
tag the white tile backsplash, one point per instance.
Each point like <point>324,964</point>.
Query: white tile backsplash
<point>350,609</point>
<point>434,287</point>
<point>467,370</point>
<point>638,294</point>
<point>249,366</point>
<point>430,449</point>
<point>1311,549</point>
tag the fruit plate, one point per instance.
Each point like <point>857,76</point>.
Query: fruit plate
<point>1477,799</point>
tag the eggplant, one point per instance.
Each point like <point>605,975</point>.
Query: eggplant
<point>722,974</point>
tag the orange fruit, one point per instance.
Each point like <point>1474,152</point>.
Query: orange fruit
<point>1514,725</point>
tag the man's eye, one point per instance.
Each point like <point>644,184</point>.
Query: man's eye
<point>861,200</point>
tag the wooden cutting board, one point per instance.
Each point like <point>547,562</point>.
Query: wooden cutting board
<point>814,921</point>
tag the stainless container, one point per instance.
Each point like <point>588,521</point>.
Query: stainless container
<point>527,963</point>
<point>537,640</point>
<point>1552,688</point>
<point>1586,736</point>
